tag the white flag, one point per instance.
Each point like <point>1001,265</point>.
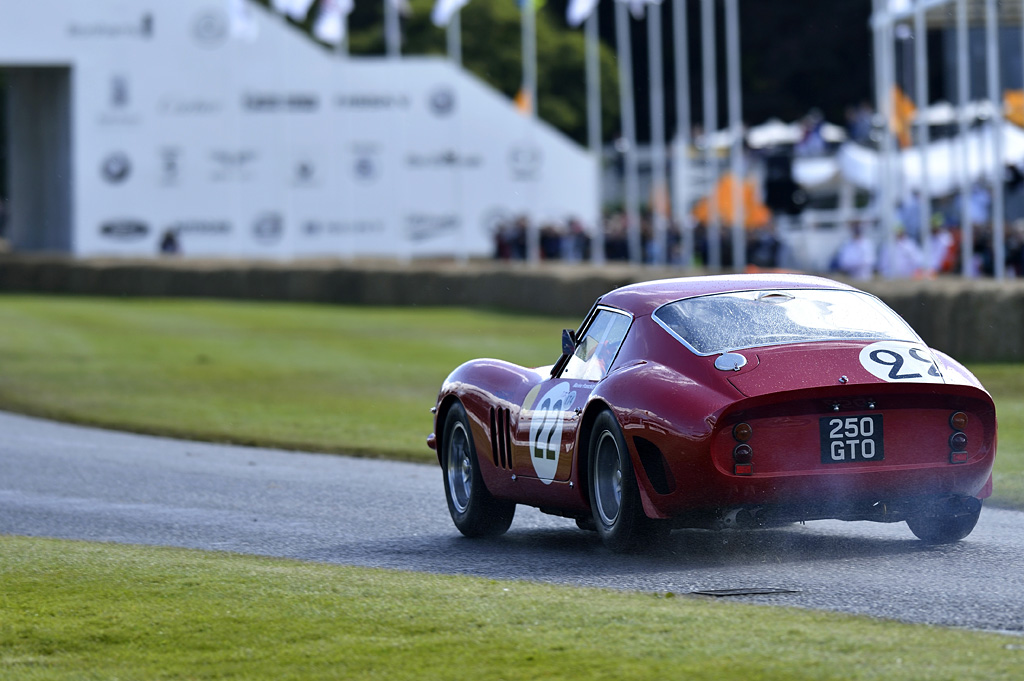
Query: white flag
<point>444,9</point>
<point>242,20</point>
<point>296,9</point>
<point>331,21</point>
<point>578,11</point>
<point>299,9</point>
<point>636,7</point>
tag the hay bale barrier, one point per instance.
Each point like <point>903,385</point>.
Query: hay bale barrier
<point>972,320</point>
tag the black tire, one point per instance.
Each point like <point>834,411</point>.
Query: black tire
<point>945,523</point>
<point>474,511</point>
<point>614,496</point>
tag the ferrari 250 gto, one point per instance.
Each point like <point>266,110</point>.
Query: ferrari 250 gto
<point>721,402</point>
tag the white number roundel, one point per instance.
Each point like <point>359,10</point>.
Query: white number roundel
<point>546,430</point>
<point>897,362</point>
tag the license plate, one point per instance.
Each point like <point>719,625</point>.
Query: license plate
<point>849,439</point>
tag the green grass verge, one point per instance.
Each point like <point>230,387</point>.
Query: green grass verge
<point>312,377</point>
<point>72,610</point>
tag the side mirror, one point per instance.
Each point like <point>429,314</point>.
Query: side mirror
<point>568,341</point>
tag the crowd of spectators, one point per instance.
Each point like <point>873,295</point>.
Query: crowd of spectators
<point>866,252</point>
<point>571,242</point>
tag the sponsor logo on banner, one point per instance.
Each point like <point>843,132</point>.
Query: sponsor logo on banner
<point>142,28</point>
<point>119,91</point>
<point>425,226</point>
<point>524,161</point>
<point>371,102</point>
<point>170,166</point>
<point>268,102</point>
<point>304,173</point>
<point>188,106</point>
<point>116,168</point>
<point>233,165</point>
<point>202,227</point>
<point>268,228</point>
<point>210,28</point>
<point>442,101</point>
<point>124,229</point>
<point>365,168</point>
<point>444,159</point>
<point>118,111</point>
<point>312,228</point>
<point>366,162</point>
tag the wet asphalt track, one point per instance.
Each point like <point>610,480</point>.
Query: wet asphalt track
<point>66,481</point>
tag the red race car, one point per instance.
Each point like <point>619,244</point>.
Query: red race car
<point>718,402</point>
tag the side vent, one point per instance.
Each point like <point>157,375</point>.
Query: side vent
<point>655,466</point>
<point>501,438</point>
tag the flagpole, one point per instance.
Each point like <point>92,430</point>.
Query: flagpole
<point>714,226</point>
<point>392,29</point>
<point>882,26</point>
<point>921,95</point>
<point>529,38</point>
<point>681,164</point>
<point>732,39</point>
<point>657,98</point>
<point>593,64</point>
<point>963,87</point>
<point>623,45</point>
<point>996,96</point>
<point>455,37</point>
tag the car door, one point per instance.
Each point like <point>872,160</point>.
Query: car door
<point>551,412</point>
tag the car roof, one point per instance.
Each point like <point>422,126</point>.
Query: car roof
<point>644,298</point>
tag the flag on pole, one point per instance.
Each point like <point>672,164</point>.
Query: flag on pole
<point>637,7</point>
<point>294,9</point>
<point>331,18</point>
<point>578,11</point>
<point>242,20</point>
<point>903,112</point>
<point>444,9</point>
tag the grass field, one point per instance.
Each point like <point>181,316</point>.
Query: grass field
<point>72,610</point>
<point>312,377</point>
<point>362,380</point>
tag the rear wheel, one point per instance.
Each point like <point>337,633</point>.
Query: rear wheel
<point>474,511</point>
<point>614,496</point>
<point>947,521</point>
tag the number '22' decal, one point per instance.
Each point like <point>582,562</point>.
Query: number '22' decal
<point>893,361</point>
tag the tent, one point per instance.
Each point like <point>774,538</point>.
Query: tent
<point>944,159</point>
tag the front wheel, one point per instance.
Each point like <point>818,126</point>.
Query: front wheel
<point>474,511</point>
<point>947,521</point>
<point>614,495</point>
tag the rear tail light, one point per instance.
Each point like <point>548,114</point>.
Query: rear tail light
<point>743,453</point>
<point>958,440</point>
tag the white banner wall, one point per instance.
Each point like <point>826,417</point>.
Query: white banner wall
<point>276,147</point>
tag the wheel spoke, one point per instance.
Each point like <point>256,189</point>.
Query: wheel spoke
<point>460,469</point>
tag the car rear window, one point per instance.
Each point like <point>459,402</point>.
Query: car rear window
<point>732,321</point>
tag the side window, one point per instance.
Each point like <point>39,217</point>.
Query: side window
<point>598,347</point>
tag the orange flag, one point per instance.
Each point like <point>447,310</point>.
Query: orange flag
<point>755,213</point>
<point>902,116</point>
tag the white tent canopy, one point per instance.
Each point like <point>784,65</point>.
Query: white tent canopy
<point>945,159</point>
